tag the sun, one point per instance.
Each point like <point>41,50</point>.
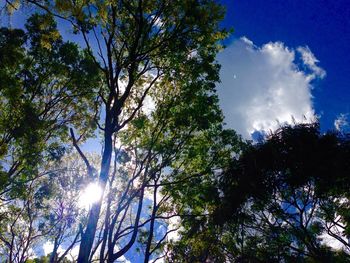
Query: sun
<point>91,194</point>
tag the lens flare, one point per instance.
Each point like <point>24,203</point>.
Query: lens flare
<point>90,195</point>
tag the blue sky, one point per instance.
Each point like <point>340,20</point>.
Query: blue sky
<point>321,25</point>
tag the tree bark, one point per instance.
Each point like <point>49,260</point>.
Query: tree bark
<point>151,228</point>
<point>53,256</point>
<point>89,234</point>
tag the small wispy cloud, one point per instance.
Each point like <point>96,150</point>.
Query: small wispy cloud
<point>341,123</point>
<point>311,61</point>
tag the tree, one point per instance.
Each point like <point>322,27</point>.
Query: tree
<point>280,201</point>
<point>39,90</point>
<point>40,87</point>
<point>136,45</point>
<point>176,145</point>
<point>65,208</point>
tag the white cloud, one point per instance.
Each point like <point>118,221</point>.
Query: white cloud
<point>73,254</point>
<point>123,259</point>
<point>310,61</point>
<point>174,223</point>
<point>263,87</point>
<point>332,242</point>
<point>48,248</point>
<point>341,123</point>
<point>31,253</point>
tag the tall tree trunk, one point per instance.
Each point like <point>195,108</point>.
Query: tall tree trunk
<point>151,228</point>
<point>89,234</point>
<point>105,233</point>
<point>53,256</point>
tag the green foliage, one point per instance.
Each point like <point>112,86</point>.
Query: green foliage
<point>191,150</point>
<point>44,259</point>
<point>43,91</point>
<point>47,85</point>
<point>278,200</point>
<point>163,50</point>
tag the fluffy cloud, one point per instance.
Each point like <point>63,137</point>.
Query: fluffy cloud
<point>265,86</point>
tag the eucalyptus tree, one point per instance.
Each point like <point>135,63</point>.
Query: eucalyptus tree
<point>180,143</point>
<point>40,86</point>
<point>135,44</point>
<point>283,200</point>
<point>41,94</point>
<point>67,204</point>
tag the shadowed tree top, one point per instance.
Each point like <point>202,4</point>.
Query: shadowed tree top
<point>292,156</point>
